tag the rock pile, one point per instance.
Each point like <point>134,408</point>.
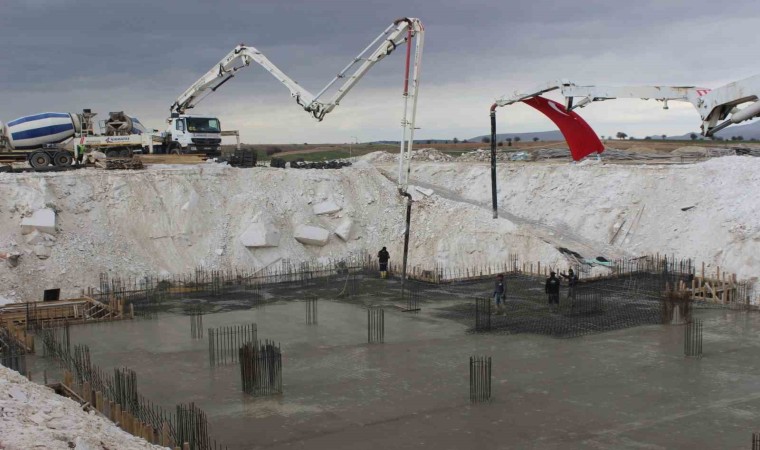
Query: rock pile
<point>423,154</point>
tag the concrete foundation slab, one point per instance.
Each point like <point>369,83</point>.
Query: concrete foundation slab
<point>624,389</point>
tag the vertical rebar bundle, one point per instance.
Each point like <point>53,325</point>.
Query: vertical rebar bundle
<point>192,427</point>
<point>224,342</point>
<point>676,306</point>
<point>196,324</point>
<point>55,339</point>
<point>261,368</point>
<point>480,378</point>
<point>692,343</point>
<point>82,364</point>
<point>188,425</point>
<point>311,310</point>
<point>755,441</point>
<point>483,314</point>
<point>375,324</point>
<point>125,390</point>
<point>412,296</point>
<point>12,355</point>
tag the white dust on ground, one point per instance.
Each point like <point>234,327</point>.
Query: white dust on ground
<point>33,416</point>
<point>720,226</point>
<point>169,220</point>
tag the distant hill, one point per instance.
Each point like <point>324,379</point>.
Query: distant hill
<point>542,135</point>
<point>416,141</point>
<point>747,131</point>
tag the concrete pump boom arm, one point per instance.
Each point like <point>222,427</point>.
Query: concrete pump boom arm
<point>713,105</point>
<point>242,56</point>
<point>239,58</point>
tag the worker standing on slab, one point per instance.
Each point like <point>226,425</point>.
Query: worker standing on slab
<point>572,281</point>
<point>499,293</point>
<point>552,289</point>
<point>383,256</point>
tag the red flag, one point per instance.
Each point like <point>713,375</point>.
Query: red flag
<point>580,137</point>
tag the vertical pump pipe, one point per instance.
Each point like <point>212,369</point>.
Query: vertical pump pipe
<point>406,238</point>
<point>407,137</point>
<point>493,162</point>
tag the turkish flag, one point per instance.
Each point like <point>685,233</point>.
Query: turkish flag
<point>579,135</point>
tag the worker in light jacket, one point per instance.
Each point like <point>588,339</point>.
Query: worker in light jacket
<point>572,282</point>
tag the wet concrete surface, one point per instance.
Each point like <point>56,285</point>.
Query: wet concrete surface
<point>628,388</point>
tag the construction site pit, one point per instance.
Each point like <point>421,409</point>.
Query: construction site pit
<point>600,371</point>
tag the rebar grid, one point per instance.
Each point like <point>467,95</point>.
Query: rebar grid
<point>224,342</point>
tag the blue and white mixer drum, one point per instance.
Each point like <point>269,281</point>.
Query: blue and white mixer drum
<point>31,132</point>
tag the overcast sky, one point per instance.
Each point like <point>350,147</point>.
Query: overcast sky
<point>139,55</point>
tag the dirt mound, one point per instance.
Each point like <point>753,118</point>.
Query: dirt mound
<point>484,155</point>
<point>423,154</point>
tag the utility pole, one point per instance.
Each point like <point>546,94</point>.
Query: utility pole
<point>350,144</point>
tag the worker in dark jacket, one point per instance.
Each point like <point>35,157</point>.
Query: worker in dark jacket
<point>383,256</point>
<point>499,293</point>
<point>552,289</point>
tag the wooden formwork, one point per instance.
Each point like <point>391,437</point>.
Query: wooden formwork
<point>720,288</point>
<point>75,310</point>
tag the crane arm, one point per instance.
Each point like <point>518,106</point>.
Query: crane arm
<point>240,57</point>
<point>713,105</point>
<point>398,33</point>
<point>588,94</point>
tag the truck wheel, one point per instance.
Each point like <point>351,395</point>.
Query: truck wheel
<point>125,153</point>
<point>39,160</point>
<point>112,153</point>
<point>63,159</point>
<point>176,149</point>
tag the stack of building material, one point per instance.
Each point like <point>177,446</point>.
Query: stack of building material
<point>119,163</point>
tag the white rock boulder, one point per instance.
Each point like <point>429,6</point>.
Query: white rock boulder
<point>41,251</point>
<point>260,235</point>
<point>311,235</point>
<point>327,207</point>
<point>343,230</point>
<point>43,220</point>
<point>424,191</point>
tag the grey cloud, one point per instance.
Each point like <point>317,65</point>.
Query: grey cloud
<point>155,49</point>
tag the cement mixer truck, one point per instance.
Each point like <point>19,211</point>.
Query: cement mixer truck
<point>55,139</point>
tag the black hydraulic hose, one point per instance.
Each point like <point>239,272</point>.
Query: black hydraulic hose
<point>406,237</point>
<point>493,162</point>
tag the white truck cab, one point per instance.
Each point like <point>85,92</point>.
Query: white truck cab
<point>193,134</point>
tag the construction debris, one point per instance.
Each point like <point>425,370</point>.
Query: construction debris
<point>343,230</point>
<point>120,164</point>
<point>311,235</point>
<point>260,235</point>
<point>42,220</point>
<point>423,154</point>
<point>327,207</point>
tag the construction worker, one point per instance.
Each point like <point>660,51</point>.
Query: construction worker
<point>572,281</point>
<point>383,256</point>
<point>552,289</point>
<point>499,293</point>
